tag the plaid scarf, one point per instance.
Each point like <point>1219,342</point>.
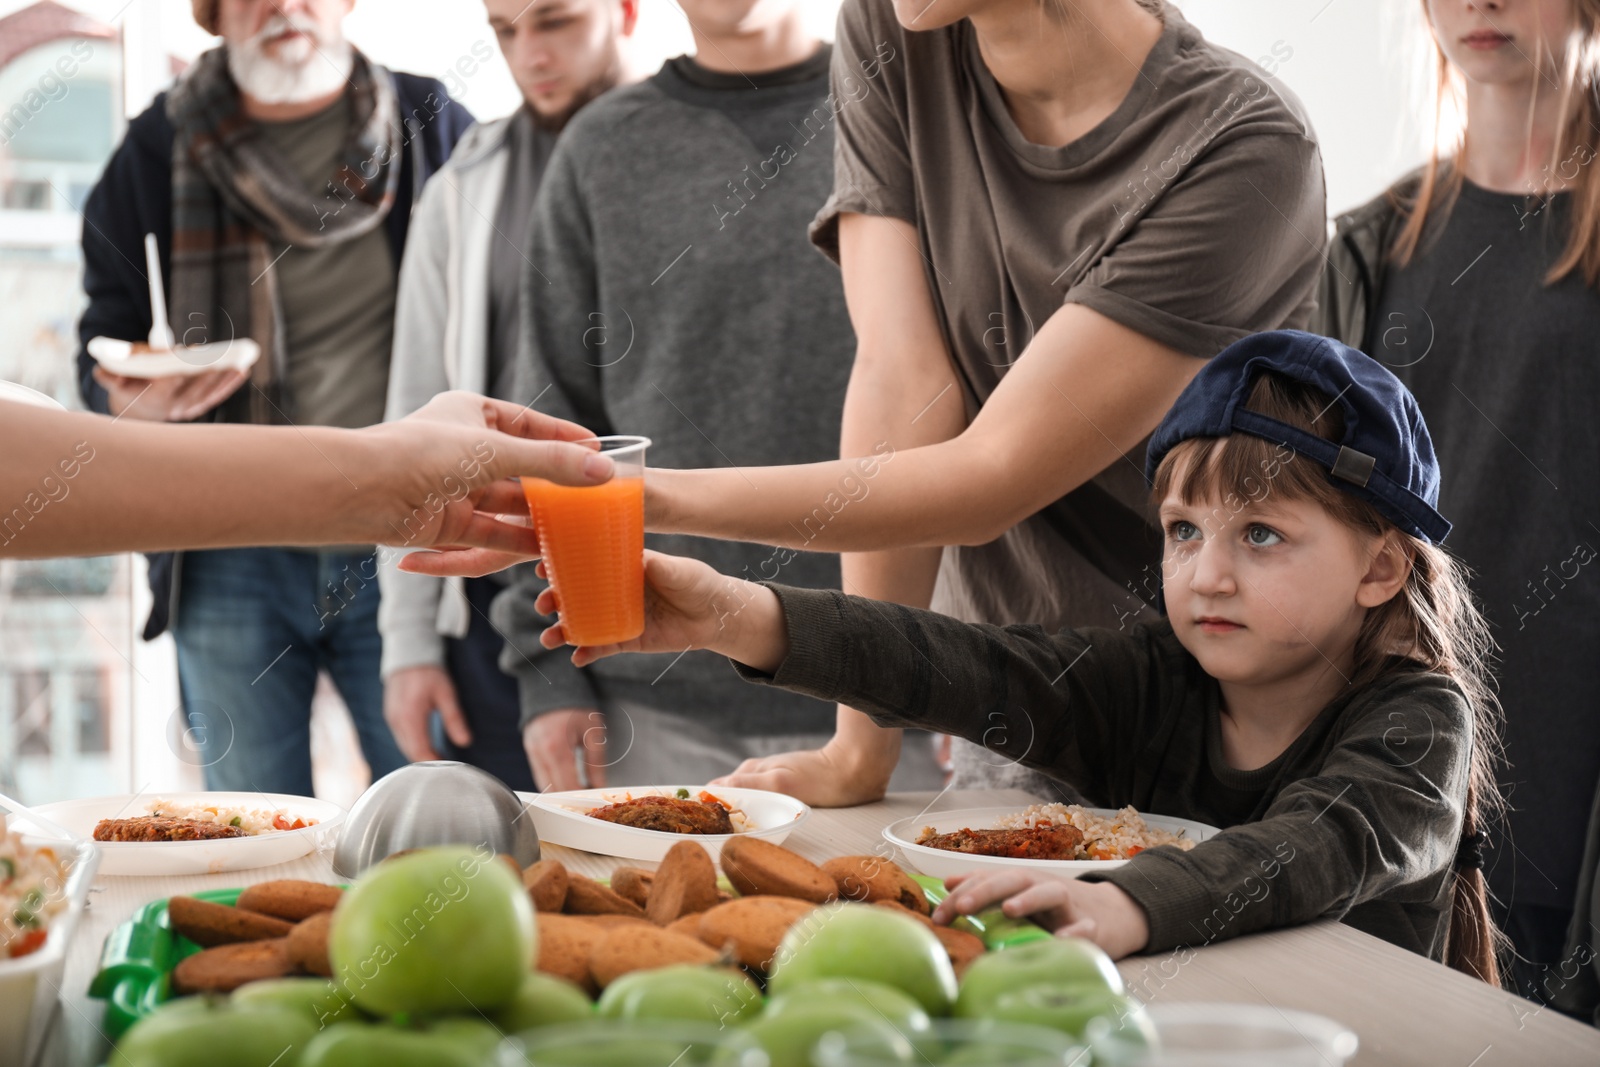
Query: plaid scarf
<point>234,195</point>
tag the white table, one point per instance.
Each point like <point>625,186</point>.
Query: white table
<point>1406,1009</point>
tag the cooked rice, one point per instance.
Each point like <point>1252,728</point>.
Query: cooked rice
<point>252,821</point>
<point>1104,837</point>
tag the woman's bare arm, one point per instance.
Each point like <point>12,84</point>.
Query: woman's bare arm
<point>903,394</point>
<point>1085,391</point>
<point>75,484</point>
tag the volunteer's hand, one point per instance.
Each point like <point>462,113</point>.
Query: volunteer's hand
<point>445,478</point>
<point>177,398</point>
<point>837,775</point>
<point>552,742</point>
<point>410,697</point>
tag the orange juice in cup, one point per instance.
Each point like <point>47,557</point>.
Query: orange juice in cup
<point>592,539</point>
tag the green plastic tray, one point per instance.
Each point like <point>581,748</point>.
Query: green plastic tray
<point>137,961</point>
<point>139,955</point>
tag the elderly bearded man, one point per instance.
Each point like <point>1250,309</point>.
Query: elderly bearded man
<point>278,176</point>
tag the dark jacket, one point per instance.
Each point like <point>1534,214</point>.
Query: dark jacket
<point>1355,270</point>
<point>134,197</point>
<point>1340,825</point>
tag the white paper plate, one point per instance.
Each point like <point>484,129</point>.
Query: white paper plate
<point>23,395</point>
<point>199,857</point>
<point>117,357</point>
<point>774,815</point>
<point>938,863</point>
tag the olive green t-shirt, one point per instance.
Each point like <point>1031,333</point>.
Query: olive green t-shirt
<point>1194,214</point>
<point>337,300</point>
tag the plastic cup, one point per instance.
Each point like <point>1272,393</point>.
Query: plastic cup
<point>631,1043</point>
<point>1228,1035</point>
<point>592,539</point>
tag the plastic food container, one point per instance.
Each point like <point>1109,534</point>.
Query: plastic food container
<point>30,986</point>
<point>1229,1035</point>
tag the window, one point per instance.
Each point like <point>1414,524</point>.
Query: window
<point>91,711</point>
<point>30,713</point>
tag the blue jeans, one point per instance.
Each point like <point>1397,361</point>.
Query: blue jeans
<point>254,627</point>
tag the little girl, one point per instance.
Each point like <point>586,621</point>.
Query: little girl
<point>1317,688</point>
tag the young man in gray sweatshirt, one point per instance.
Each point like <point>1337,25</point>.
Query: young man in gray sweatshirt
<point>672,293</point>
<point>457,327</point>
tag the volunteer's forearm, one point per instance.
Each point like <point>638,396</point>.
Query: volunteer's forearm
<point>77,484</point>
<point>941,494</point>
<point>902,575</point>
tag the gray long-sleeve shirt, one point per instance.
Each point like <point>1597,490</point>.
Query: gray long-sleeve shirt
<point>673,293</point>
<point>1357,820</point>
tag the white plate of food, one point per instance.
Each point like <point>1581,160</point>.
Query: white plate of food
<point>23,395</point>
<point>136,359</point>
<point>198,833</point>
<point>44,887</point>
<point>654,818</point>
<point>1043,837</point>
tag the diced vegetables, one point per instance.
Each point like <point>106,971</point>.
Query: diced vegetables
<point>32,891</point>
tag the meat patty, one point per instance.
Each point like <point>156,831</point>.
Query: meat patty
<point>1035,843</point>
<point>670,815</point>
<point>161,828</point>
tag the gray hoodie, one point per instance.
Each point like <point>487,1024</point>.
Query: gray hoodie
<point>442,342</point>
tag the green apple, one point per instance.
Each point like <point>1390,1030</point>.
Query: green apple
<point>637,1043</point>
<point>443,929</point>
<point>996,1050</point>
<point>1067,1008</point>
<point>790,1037</point>
<point>543,1000</point>
<point>686,992</point>
<point>863,941</point>
<point>1059,961</point>
<point>324,1002</point>
<point>890,1004</point>
<point>215,1036</point>
<point>446,1043</point>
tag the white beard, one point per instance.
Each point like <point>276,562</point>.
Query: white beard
<point>313,66</point>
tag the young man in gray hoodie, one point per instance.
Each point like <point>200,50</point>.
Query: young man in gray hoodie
<point>672,293</point>
<point>457,327</point>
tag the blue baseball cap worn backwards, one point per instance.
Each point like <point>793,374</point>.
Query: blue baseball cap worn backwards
<point>1385,457</point>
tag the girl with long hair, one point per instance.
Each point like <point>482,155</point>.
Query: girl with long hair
<point>1477,280</point>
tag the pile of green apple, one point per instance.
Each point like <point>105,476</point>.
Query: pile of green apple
<point>432,955</point>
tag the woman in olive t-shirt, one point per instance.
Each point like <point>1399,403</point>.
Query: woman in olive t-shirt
<point>1047,214</point>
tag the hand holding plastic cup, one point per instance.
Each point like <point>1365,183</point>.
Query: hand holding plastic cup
<point>592,540</point>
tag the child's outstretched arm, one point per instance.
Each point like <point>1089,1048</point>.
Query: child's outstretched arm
<point>1076,704</point>
<point>689,605</point>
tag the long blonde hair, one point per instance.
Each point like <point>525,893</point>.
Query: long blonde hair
<point>1432,622</point>
<point>1441,178</point>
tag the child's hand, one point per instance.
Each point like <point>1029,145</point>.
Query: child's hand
<point>687,604</point>
<point>1098,911</point>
